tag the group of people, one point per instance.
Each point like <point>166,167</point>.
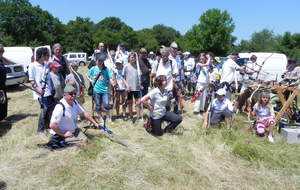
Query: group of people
<point>121,80</point>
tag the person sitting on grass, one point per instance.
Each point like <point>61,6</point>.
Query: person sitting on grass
<point>64,117</point>
<point>220,108</point>
<point>264,115</point>
<point>159,97</point>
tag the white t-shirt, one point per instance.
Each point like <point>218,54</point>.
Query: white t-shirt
<point>220,106</point>
<point>250,66</point>
<point>69,121</point>
<point>189,64</point>
<point>167,70</point>
<point>263,111</point>
<point>176,61</point>
<point>39,74</point>
<point>158,102</point>
<point>203,75</point>
<point>228,71</point>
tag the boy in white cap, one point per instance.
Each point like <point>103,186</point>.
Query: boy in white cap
<point>219,109</point>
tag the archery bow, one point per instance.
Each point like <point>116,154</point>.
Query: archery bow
<point>262,64</point>
<point>139,80</point>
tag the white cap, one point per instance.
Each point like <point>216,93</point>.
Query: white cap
<point>186,53</point>
<point>151,52</point>
<point>119,61</point>
<point>221,92</point>
<point>174,45</point>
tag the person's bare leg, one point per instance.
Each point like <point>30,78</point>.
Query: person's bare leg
<point>130,102</point>
<point>118,103</point>
<point>138,108</point>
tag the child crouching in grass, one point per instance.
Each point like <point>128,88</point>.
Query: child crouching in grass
<point>264,115</point>
<point>220,109</point>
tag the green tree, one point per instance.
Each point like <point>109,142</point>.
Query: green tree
<point>78,35</point>
<point>146,39</point>
<point>264,40</point>
<point>165,35</point>
<point>213,33</point>
<point>112,31</point>
<point>191,39</point>
<point>26,24</point>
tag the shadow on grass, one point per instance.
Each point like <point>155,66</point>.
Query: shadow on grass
<point>15,88</point>
<point>2,185</point>
<point>6,124</point>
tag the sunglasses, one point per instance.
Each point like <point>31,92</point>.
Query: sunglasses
<point>72,93</point>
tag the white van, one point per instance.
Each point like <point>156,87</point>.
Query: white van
<point>272,64</point>
<point>21,57</point>
<point>79,57</point>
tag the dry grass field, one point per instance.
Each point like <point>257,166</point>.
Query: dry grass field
<point>190,158</point>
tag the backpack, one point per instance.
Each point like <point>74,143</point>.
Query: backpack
<point>90,89</point>
<point>63,106</point>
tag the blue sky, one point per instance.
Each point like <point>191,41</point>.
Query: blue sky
<point>248,16</point>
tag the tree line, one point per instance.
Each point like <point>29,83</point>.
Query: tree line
<point>22,24</point>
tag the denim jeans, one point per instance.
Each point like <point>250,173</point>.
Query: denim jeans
<point>47,106</point>
<point>101,100</point>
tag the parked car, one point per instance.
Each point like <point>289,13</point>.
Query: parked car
<point>78,57</point>
<point>21,57</point>
<point>15,74</point>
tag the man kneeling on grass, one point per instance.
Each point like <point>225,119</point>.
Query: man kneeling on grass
<point>64,118</point>
<point>220,108</point>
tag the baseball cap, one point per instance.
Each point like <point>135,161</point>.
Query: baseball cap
<point>174,45</point>
<point>235,54</point>
<point>143,50</point>
<point>186,53</point>
<point>54,65</point>
<point>221,92</point>
<point>100,57</point>
<point>69,89</point>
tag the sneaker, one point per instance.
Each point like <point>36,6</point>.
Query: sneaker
<point>108,120</point>
<point>101,121</point>
<point>271,139</point>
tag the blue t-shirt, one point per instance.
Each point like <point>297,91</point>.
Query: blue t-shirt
<point>102,84</point>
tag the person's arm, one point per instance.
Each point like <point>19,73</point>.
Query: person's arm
<point>90,118</point>
<point>145,101</point>
<point>89,74</point>
<point>6,61</point>
<point>203,64</point>
<point>229,105</point>
<point>124,79</point>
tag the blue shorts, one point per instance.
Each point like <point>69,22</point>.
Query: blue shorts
<point>101,100</point>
